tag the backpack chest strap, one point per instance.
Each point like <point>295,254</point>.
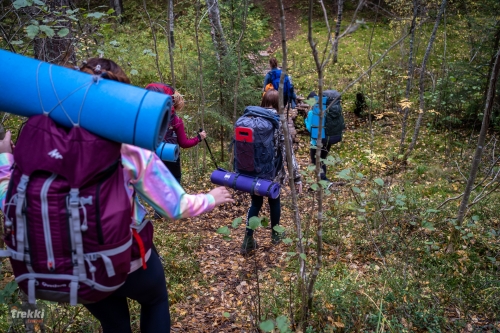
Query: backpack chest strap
<point>74,202</point>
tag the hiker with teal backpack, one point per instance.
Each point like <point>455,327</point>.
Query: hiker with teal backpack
<point>272,79</point>
<point>333,125</point>
<point>84,237</point>
<point>265,119</point>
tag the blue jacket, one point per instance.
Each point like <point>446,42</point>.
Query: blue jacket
<point>269,79</point>
<point>335,112</point>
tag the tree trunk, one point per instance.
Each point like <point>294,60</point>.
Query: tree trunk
<point>200,73</point>
<point>216,31</point>
<point>153,32</point>
<point>411,70</point>
<point>58,50</point>
<point>117,5</point>
<point>479,149</point>
<point>238,48</point>
<point>288,149</point>
<point>421,111</point>
<point>319,192</point>
<point>170,41</point>
<point>496,42</point>
<point>171,22</point>
<point>340,9</point>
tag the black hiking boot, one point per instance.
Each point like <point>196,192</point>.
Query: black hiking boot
<point>249,244</point>
<point>276,237</point>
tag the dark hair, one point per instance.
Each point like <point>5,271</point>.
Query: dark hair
<point>270,99</point>
<point>273,62</point>
<point>312,94</point>
<point>105,67</point>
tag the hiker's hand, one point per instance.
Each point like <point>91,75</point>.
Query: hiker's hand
<point>221,195</point>
<point>202,135</point>
<point>298,188</point>
<point>6,144</point>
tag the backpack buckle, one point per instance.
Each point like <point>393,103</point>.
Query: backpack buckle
<point>74,200</point>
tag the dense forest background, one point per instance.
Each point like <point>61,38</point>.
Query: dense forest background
<point>408,237</point>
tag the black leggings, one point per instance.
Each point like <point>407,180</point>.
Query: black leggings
<point>274,207</point>
<point>146,286</point>
<point>324,153</point>
<point>174,168</point>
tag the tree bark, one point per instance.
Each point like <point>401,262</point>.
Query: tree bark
<point>216,31</point>
<point>117,5</point>
<point>479,149</point>
<point>238,48</point>
<point>171,23</point>
<point>288,148</point>
<point>170,41</point>
<point>421,111</point>
<point>200,73</point>
<point>340,9</point>
<point>411,69</point>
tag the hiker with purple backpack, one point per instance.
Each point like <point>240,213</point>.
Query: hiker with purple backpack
<point>75,228</point>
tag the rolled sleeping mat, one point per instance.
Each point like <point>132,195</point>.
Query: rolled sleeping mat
<point>168,152</point>
<point>114,110</point>
<point>252,185</point>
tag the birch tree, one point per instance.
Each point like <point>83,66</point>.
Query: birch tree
<point>216,31</point>
<point>117,6</point>
<point>409,80</point>
<point>340,9</point>
<point>171,23</point>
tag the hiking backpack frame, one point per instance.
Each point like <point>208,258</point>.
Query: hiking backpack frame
<point>67,214</point>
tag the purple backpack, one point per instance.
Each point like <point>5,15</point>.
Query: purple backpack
<point>67,214</point>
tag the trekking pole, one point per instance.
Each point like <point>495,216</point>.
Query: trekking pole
<point>211,155</point>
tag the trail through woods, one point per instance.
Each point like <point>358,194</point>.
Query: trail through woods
<point>229,279</point>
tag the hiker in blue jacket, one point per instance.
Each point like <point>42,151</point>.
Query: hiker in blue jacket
<point>334,125</point>
<point>273,78</point>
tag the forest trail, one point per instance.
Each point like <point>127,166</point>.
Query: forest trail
<point>293,27</point>
<point>229,279</point>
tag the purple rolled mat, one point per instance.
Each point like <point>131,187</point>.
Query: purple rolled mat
<point>252,185</point>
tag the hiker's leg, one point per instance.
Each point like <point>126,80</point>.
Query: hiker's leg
<point>312,155</point>
<point>112,312</point>
<point>324,153</point>
<point>174,168</point>
<point>275,208</point>
<point>149,288</point>
<point>254,210</point>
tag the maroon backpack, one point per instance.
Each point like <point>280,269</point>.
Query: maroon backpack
<point>67,214</point>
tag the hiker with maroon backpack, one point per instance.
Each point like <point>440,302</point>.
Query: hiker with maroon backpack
<point>176,133</point>
<point>74,227</point>
<point>272,166</point>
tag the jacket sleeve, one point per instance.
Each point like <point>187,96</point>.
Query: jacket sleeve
<point>182,139</point>
<point>6,161</point>
<point>307,121</point>
<point>156,185</point>
<point>267,79</point>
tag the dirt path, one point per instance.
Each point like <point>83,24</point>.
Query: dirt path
<point>273,42</point>
<point>229,278</point>
<point>228,282</point>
